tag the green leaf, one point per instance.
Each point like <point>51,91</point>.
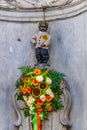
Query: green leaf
<point>48,104</point>
<point>25,70</point>
<point>19,83</point>
<point>44,115</point>
<point>56,78</point>
<point>20,97</point>
<point>26,112</point>
<point>57,104</point>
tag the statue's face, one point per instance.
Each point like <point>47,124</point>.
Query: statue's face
<point>43,26</point>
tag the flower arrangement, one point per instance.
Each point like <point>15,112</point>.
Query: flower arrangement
<point>40,90</point>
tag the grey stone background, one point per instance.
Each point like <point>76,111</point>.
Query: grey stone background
<point>68,54</point>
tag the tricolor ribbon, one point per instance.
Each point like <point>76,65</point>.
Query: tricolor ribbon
<point>36,120</point>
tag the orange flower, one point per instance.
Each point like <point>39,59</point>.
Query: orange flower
<point>26,79</point>
<point>39,109</point>
<point>22,89</point>
<point>45,37</point>
<point>49,108</point>
<point>48,98</point>
<point>28,90</point>
<point>40,102</point>
<point>35,82</point>
<point>37,71</point>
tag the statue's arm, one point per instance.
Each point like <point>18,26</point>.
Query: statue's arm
<point>33,39</point>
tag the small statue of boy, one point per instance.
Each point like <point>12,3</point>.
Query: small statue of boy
<point>41,40</point>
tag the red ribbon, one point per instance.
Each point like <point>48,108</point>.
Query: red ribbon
<point>38,120</point>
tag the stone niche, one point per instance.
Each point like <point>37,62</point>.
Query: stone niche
<point>60,119</point>
<point>68,54</point>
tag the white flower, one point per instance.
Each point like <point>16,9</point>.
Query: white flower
<point>42,97</point>
<point>31,100</point>
<point>48,80</point>
<point>29,105</point>
<point>52,94</point>
<point>49,92</point>
<point>39,78</point>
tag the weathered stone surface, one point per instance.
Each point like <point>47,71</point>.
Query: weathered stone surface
<point>68,54</point>
<point>33,3</point>
<point>28,10</point>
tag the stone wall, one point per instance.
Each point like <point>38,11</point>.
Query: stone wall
<point>68,54</point>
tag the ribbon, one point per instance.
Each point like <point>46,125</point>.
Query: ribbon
<point>36,120</point>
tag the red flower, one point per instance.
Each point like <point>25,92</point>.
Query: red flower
<point>28,90</point>
<point>40,102</point>
<point>49,108</point>
<point>39,109</point>
<point>48,98</point>
<point>35,82</point>
<point>26,79</point>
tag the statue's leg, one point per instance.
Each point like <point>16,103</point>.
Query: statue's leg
<point>38,55</point>
<point>45,55</point>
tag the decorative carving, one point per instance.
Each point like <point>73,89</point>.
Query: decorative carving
<point>5,5</point>
<point>26,4</point>
<point>34,3</point>
<point>31,10</point>
<point>24,123</point>
<point>64,114</point>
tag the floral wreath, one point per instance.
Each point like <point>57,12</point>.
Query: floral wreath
<point>40,90</point>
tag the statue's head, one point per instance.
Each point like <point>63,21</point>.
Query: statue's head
<point>43,26</point>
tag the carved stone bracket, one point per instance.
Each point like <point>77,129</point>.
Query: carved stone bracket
<point>31,10</point>
<point>26,4</point>
<point>24,123</point>
<point>64,113</point>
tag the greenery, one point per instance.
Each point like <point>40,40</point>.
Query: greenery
<point>55,78</point>
<point>26,112</point>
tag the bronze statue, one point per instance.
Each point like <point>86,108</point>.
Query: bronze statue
<point>41,40</point>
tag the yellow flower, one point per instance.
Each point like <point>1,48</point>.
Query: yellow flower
<point>45,37</point>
